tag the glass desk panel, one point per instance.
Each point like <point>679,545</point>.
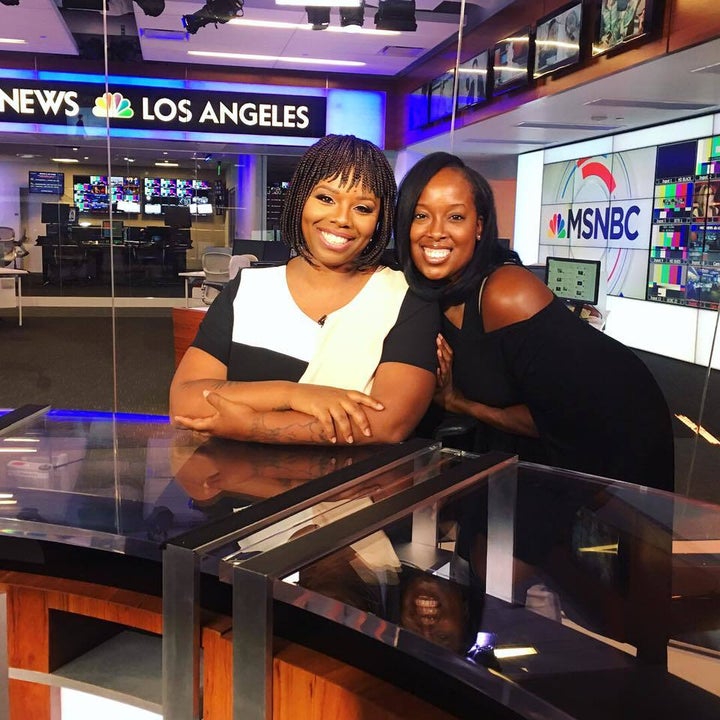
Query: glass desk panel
<point>129,483</point>
<point>598,598</point>
<point>379,484</point>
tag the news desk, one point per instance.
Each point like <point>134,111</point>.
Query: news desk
<point>140,254</point>
<point>207,578</point>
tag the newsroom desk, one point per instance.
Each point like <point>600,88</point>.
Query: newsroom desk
<point>120,532</point>
<point>151,254</point>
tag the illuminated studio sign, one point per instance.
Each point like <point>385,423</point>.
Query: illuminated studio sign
<point>596,223</point>
<point>84,105</point>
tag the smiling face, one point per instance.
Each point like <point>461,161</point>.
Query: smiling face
<point>445,226</point>
<point>338,222</point>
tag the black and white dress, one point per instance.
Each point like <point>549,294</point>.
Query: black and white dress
<point>255,328</point>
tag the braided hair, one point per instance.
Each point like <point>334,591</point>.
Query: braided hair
<point>488,252</point>
<point>353,160</point>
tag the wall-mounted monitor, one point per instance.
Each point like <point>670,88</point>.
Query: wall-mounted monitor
<point>441,97</point>
<point>46,183</point>
<point>94,194</point>
<point>512,59</point>
<point>557,39</point>
<point>618,22</point>
<point>177,216</point>
<point>575,281</point>
<point>161,193</point>
<point>126,194</point>
<point>90,193</point>
<point>59,213</point>
<point>472,81</point>
<point>418,109</point>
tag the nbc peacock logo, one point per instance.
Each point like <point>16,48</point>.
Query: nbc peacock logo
<point>556,227</point>
<point>112,105</point>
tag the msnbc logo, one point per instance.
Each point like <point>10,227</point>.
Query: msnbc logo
<point>556,227</point>
<point>112,105</point>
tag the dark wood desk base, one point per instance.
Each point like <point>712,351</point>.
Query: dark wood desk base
<point>307,684</point>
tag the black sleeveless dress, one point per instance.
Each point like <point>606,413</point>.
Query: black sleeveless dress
<point>597,407</point>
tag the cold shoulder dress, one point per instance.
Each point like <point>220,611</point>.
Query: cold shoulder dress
<point>596,405</point>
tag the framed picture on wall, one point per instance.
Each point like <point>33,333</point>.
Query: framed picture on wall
<point>472,81</point>
<point>511,62</point>
<point>618,22</point>
<point>557,39</point>
<point>441,96</point>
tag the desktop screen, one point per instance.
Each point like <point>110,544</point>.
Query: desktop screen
<point>177,216</point>
<point>56,213</point>
<point>576,281</point>
<point>113,229</point>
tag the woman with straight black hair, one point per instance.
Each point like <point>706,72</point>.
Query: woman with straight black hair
<point>539,380</point>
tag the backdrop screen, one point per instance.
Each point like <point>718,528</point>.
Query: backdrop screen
<point>652,215</point>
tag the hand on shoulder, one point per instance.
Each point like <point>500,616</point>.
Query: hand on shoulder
<point>512,294</point>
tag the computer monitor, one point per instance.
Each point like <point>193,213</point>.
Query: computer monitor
<point>134,234</point>
<point>114,230</point>
<point>575,281</point>
<point>539,271</point>
<point>56,213</point>
<point>275,251</point>
<point>178,216</point>
<point>243,246</point>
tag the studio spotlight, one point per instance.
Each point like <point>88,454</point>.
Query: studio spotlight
<point>153,8</point>
<point>352,15</point>
<point>396,15</point>
<point>318,17</point>
<point>214,11</point>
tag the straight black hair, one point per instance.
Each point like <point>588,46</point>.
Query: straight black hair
<point>488,252</point>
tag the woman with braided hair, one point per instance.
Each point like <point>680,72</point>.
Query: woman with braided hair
<point>330,348</point>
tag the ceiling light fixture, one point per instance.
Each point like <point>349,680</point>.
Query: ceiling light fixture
<point>318,17</point>
<point>278,25</point>
<point>352,15</point>
<point>167,163</point>
<point>214,11</point>
<point>13,41</point>
<point>277,58</point>
<point>396,15</point>
<point>65,160</point>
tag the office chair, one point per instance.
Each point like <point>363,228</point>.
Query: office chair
<point>220,266</point>
<point>9,247</point>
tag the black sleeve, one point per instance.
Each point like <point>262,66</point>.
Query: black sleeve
<point>412,339</point>
<point>214,335</point>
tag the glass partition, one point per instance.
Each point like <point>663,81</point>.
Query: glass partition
<point>110,226</point>
<point>534,588</point>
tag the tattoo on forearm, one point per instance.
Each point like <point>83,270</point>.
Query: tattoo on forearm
<point>305,431</point>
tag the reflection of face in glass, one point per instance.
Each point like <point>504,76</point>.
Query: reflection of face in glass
<point>436,609</point>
